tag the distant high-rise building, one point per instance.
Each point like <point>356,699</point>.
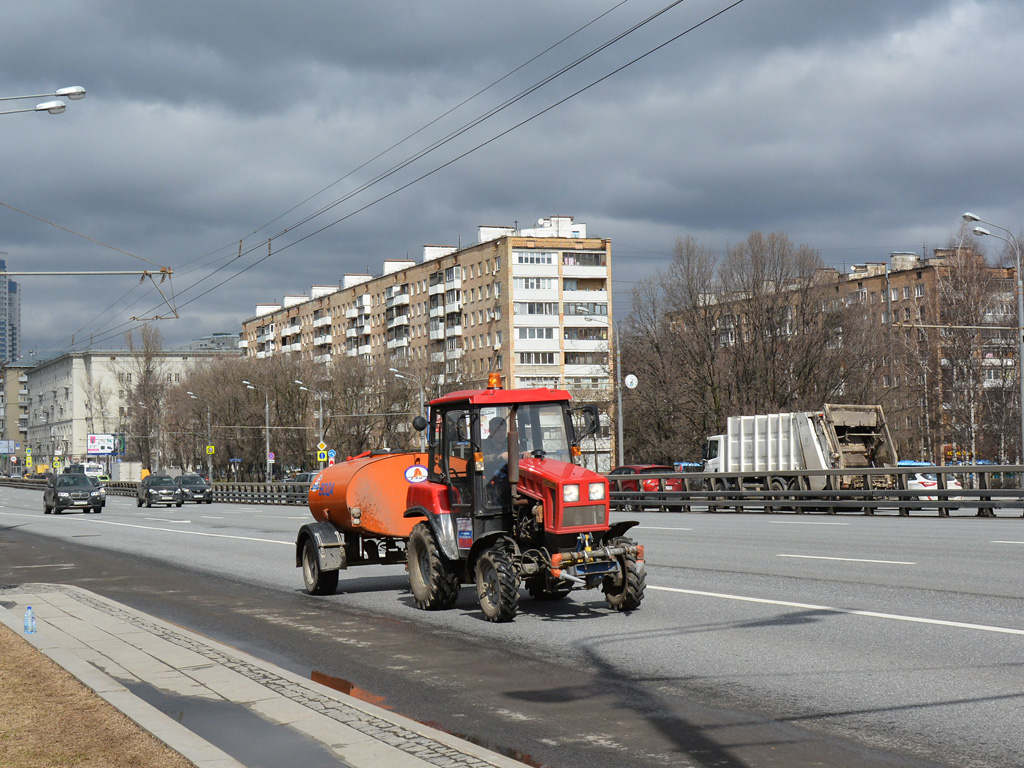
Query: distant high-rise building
<point>10,317</point>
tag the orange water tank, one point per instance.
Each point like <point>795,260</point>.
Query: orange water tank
<point>368,495</point>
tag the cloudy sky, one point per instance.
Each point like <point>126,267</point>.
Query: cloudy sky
<point>213,126</point>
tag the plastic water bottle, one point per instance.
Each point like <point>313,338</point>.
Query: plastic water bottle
<point>30,621</point>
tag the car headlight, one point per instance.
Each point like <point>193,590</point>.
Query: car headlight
<point>570,493</point>
<point>597,491</point>
<point>64,494</point>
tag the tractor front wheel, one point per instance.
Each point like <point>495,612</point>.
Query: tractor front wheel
<point>624,591</point>
<point>497,585</point>
<point>433,582</point>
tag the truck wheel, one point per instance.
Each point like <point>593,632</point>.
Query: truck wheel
<point>539,589</point>
<point>317,582</point>
<point>624,592</point>
<point>497,585</point>
<point>433,582</point>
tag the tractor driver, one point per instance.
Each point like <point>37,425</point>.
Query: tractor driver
<point>495,450</point>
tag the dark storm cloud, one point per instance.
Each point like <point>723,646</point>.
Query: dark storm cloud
<point>857,128</point>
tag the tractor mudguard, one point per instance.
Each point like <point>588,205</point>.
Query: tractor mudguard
<point>443,527</point>
<point>330,545</point>
<point>617,529</point>
<point>486,542</point>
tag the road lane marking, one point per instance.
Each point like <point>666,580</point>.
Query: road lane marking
<point>801,522</point>
<point>164,520</point>
<point>55,565</point>
<point>659,528</point>
<point>849,559</point>
<point>189,533</point>
<point>211,517</point>
<point>847,611</point>
<point>1008,542</point>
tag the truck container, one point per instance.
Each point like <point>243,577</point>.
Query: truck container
<point>763,450</point>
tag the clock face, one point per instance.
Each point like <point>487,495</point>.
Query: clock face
<point>630,381</point>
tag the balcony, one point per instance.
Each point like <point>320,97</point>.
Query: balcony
<point>320,322</point>
<point>291,330</point>
<point>351,333</point>
<point>454,330</point>
<point>352,314</point>
<point>437,311</point>
<point>398,343</point>
<point>296,347</point>
<point>436,289</point>
<point>399,299</point>
<point>319,341</point>
<point>398,320</point>
<point>453,308</point>
<point>325,358</point>
<point>364,349</point>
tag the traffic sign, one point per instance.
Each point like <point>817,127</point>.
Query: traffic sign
<point>332,453</point>
<point>321,455</point>
<point>321,446</point>
<point>330,462</point>
<point>209,450</point>
<point>270,456</point>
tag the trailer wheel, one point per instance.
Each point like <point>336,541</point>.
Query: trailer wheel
<point>317,582</point>
<point>625,591</point>
<point>497,585</point>
<point>433,582</point>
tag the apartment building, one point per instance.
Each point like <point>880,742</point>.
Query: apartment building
<point>10,316</point>
<point>533,303</point>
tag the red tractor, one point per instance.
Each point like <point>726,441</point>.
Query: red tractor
<point>497,500</point>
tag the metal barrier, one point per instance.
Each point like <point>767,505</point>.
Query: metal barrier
<point>237,493</point>
<point>865,491</point>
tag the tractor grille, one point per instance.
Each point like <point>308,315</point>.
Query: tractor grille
<point>590,514</point>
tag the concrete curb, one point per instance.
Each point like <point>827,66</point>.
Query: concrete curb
<point>100,641</point>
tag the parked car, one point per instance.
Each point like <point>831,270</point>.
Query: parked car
<point>303,477</point>
<point>629,478</point>
<point>194,488</point>
<point>71,492</point>
<point>158,489</point>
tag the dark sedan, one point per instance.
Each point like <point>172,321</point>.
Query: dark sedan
<point>71,492</point>
<point>194,488</point>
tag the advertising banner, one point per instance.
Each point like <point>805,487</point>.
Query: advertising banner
<point>100,445</point>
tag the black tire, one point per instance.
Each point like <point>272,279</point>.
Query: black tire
<point>497,585</point>
<point>539,589</point>
<point>627,591</point>
<point>179,503</point>
<point>149,503</point>
<point>317,582</point>
<point>432,579</point>
<point>138,502</point>
<point>47,509</point>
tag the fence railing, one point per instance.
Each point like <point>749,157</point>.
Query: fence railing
<point>239,493</point>
<point>988,491</point>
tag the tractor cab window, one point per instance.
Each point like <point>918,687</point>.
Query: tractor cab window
<point>541,428</point>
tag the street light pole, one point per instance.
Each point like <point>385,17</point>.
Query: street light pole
<point>54,107</point>
<point>618,388</point>
<point>320,412</point>
<point>266,397</point>
<point>417,382</point>
<point>1012,241</point>
<point>209,438</point>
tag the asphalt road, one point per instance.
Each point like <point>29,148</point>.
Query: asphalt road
<point>763,640</point>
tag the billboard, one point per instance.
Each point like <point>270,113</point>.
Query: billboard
<point>100,445</point>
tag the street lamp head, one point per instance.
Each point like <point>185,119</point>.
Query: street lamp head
<point>303,389</point>
<point>247,383</point>
<point>394,370</point>
<point>980,231</point>
<point>297,381</point>
<point>250,386</point>
<point>968,216</point>
<point>53,107</point>
<point>73,92</point>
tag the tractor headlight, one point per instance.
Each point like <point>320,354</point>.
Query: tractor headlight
<point>597,491</point>
<point>570,493</point>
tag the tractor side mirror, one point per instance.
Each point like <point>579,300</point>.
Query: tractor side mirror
<point>419,423</point>
<point>591,421</point>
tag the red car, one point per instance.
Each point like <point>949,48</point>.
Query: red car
<point>624,479</point>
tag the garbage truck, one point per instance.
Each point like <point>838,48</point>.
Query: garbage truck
<point>497,500</point>
<point>763,449</point>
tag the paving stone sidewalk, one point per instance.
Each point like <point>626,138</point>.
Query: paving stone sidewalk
<point>122,653</point>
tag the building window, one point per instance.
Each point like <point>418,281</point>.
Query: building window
<point>534,283</point>
<point>536,333</point>
<point>576,259</point>
<point>586,358</point>
<point>534,257</point>
<point>535,308</point>
<point>536,358</point>
<point>919,291</point>
<point>585,308</point>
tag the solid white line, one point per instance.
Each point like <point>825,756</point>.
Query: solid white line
<point>801,522</point>
<point>848,611</point>
<point>165,520</point>
<point>849,559</point>
<point>211,517</point>
<point>189,533</point>
<point>55,565</point>
<point>659,528</point>
<point>1008,542</point>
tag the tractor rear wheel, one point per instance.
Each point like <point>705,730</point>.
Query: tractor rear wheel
<point>317,582</point>
<point>432,580</point>
<point>625,591</point>
<point>497,585</point>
